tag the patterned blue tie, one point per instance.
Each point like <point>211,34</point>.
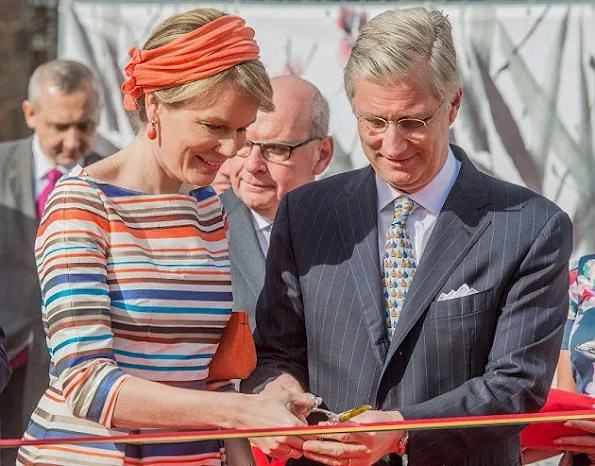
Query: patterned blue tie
<point>399,262</point>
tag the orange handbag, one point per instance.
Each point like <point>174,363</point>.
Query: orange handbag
<point>235,357</point>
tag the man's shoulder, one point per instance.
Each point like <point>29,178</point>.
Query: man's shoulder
<point>334,187</point>
<point>228,197</point>
<point>11,150</point>
<point>501,194</point>
<point>16,145</point>
<point>230,201</point>
<point>511,195</point>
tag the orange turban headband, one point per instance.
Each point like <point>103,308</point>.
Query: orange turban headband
<point>206,51</point>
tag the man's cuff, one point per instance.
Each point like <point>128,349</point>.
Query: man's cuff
<point>402,446</point>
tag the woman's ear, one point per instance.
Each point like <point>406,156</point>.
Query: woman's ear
<point>152,107</point>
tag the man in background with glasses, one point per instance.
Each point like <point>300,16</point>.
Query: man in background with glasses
<point>285,149</point>
<point>417,285</point>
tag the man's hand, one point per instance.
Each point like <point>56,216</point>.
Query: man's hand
<point>579,443</point>
<point>356,449</point>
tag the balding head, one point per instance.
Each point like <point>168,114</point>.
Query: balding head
<point>67,76</point>
<point>293,92</point>
<point>300,119</point>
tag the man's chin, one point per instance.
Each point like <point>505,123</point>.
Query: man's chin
<point>68,161</point>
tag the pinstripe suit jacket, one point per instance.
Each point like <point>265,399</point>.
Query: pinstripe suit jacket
<point>321,315</point>
<point>247,259</point>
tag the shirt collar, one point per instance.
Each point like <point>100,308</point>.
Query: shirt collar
<point>432,196</point>
<point>42,163</point>
<point>260,222</point>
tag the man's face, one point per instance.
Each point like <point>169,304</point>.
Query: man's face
<point>66,124</point>
<point>261,184</point>
<point>406,164</point>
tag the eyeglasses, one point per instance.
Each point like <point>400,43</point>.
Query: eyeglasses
<point>411,128</point>
<point>275,152</point>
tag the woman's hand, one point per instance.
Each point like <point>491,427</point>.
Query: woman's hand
<point>584,443</point>
<point>276,406</point>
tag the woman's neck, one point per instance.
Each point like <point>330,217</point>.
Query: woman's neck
<point>136,167</point>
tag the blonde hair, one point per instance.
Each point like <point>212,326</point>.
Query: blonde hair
<point>397,41</point>
<point>250,77</point>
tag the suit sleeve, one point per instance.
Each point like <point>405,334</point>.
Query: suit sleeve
<point>5,370</point>
<point>280,334</point>
<point>523,356</point>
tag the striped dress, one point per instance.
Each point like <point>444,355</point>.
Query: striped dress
<point>133,284</point>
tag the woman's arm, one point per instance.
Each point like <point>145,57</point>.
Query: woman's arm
<point>142,403</point>
<point>565,379</point>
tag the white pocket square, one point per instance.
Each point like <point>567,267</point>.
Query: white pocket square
<point>464,290</point>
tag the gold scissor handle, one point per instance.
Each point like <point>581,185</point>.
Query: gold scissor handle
<point>346,415</point>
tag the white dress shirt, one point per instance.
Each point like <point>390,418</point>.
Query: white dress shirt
<point>421,222</point>
<point>42,165</point>
<point>263,227</point>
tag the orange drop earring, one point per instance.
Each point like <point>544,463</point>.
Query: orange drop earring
<point>152,133</point>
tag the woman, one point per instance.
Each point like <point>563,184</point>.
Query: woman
<point>134,263</point>
<point>576,365</point>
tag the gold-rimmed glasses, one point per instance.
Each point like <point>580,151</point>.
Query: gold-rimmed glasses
<point>411,128</point>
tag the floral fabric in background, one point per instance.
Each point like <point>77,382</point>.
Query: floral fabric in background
<point>528,73</point>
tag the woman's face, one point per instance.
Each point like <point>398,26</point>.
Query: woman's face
<point>195,140</point>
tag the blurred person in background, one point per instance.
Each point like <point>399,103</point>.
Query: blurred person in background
<point>576,365</point>
<point>62,109</point>
<point>222,183</point>
<point>133,260</point>
<point>286,149</point>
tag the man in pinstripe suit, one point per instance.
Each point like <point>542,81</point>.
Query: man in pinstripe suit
<point>480,328</point>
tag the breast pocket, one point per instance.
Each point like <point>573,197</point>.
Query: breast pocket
<point>466,305</point>
<point>464,328</point>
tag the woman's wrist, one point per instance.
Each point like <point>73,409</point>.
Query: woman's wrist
<point>236,411</point>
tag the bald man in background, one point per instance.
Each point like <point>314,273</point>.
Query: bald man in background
<point>285,149</point>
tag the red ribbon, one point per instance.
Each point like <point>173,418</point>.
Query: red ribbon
<point>349,427</point>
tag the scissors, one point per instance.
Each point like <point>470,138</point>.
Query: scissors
<point>335,418</point>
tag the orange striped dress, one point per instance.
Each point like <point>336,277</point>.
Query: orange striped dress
<point>133,284</point>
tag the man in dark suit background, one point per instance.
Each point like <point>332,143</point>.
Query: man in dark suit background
<point>418,285</point>
<point>265,170</point>
<point>62,109</point>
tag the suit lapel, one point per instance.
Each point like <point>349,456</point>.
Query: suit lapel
<point>245,248</point>
<point>21,181</point>
<point>357,218</point>
<point>458,227</point>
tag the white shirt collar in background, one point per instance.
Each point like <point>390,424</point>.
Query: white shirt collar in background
<point>263,227</point>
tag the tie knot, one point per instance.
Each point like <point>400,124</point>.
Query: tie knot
<point>53,176</point>
<point>403,207</point>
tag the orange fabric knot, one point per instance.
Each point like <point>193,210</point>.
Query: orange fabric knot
<point>129,88</point>
<point>206,51</point>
